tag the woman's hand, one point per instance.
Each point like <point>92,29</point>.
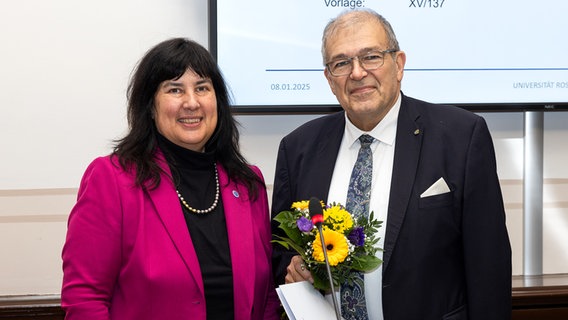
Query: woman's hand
<point>297,271</point>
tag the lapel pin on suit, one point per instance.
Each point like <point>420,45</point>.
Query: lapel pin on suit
<point>416,132</point>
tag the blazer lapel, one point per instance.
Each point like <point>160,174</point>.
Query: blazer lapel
<point>406,155</point>
<point>170,213</point>
<point>240,231</point>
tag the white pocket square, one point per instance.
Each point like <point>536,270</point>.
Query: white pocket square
<point>439,187</point>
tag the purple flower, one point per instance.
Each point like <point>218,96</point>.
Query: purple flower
<point>304,224</point>
<point>357,236</point>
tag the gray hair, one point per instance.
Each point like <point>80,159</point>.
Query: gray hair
<point>354,17</point>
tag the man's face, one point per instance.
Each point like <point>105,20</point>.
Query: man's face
<point>365,95</point>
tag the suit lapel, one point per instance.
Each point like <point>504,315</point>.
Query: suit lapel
<point>170,213</point>
<point>406,156</point>
<point>318,178</point>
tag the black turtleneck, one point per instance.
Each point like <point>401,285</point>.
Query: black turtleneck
<point>194,176</point>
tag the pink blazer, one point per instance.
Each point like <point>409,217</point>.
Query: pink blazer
<point>129,255</point>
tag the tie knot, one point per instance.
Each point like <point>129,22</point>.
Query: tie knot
<point>366,140</point>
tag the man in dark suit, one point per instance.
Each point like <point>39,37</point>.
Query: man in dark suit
<point>434,183</point>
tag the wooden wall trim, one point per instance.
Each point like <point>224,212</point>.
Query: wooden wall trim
<point>542,297</point>
<point>42,307</point>
<point>533,297</point>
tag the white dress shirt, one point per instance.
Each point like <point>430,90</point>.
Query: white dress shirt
<point>383,156</point>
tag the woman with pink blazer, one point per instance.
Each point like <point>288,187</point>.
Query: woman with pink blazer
<point>174,224</point>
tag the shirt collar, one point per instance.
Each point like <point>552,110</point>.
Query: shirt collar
<point>384,131</point>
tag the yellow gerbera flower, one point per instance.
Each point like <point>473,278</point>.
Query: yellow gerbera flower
<point>338,218</point>
<point>301,205</point>
<point>335,244</point>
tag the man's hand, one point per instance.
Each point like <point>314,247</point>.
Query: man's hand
<point>297,271</point>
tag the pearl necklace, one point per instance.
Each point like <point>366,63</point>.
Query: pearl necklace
<point>212,207</point>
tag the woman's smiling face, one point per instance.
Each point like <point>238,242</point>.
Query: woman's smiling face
<point>186,110</point>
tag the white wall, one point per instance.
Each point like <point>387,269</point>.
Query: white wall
<point>65,66</point>
<point>64,69</point>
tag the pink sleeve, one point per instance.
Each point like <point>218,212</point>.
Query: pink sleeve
<point>92,250</point>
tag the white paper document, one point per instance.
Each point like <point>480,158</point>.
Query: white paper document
<point>303,302</point>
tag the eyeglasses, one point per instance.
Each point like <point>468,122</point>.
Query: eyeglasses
<point>369,61</point>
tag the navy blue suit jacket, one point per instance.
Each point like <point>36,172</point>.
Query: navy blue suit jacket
<point>445,257</point>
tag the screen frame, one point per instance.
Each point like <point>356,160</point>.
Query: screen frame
<point>330,108</point>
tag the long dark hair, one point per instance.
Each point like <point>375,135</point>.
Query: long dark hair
<point>170,60</point>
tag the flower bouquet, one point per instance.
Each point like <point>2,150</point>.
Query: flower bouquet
<point>350,244</point>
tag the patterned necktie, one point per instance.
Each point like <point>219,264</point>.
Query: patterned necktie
<point>358,197</point>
